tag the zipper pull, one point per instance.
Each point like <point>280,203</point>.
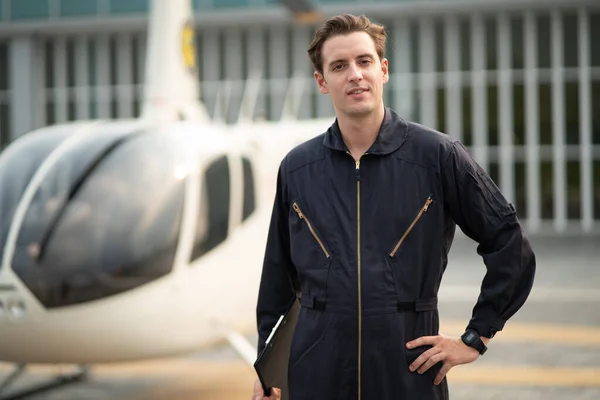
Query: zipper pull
<point>297,209</point>
<point>358,170</point>
<point>427,203</point>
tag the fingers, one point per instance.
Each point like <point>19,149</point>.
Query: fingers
<point>443,371</point>
<point>258,393</point>
<point>423,341</point>
<point>423,358</point>
<point>431,362</point>
<point>275,394</point>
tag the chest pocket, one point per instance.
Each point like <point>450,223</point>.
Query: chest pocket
<point>309,251</point>
<point>422,211</point>
<point>310,227</point>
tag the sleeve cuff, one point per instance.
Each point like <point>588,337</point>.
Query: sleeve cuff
<point>486,328</point>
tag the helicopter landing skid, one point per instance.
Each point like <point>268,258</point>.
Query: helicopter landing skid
<point>58,381</point>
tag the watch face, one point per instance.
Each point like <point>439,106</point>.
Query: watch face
<point>470,336</point>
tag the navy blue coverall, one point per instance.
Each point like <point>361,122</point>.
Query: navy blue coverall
<point>366,244</point>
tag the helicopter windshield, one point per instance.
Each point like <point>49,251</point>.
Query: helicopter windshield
<point>105,220</point>
<point>18,163</point>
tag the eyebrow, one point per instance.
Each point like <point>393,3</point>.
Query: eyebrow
<point>343,60</point>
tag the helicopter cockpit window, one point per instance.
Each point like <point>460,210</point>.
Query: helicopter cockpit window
<point>249,192</point>
<point>213,215</point>
<point>111,226</point>
<point>18,164</point>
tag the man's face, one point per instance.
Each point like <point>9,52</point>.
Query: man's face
<point>352,75</point>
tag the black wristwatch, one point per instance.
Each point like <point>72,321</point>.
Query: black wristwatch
<point>472,339</point>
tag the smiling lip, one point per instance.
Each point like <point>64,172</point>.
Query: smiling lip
<point>350,92</point>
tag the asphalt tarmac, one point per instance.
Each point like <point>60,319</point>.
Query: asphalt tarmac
<point>549,350</point>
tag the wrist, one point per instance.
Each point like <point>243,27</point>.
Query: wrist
<point>472,339</point>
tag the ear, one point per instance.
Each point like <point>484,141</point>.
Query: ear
<point>384,70</point>
<point>321,83</point>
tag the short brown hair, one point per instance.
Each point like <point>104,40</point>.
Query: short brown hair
<point>345,24</point>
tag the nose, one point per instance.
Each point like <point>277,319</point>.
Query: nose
<point>354,73</point>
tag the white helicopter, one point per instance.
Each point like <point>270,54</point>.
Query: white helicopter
<point>135,239</point>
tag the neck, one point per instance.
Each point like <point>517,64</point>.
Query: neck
<point>359,133</point>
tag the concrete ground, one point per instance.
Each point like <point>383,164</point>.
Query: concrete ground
<point>549,350</point>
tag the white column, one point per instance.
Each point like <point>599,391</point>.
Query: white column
<point>479,91</point>
<point>427,76</point>
<point>403,77</point>
<point>255,105</point>
<point>532,132</point>
<point>124,76</point>
<point>558,122</point>
<point>505,103</point>
<point>41,95</point>
<point>301,67</point>
<point>5,9</point>
<point>453,78</point>
<point>59,90</point>
<point>103,89</point>
<point>22,85</point>
<point>210,64</point>
<point>82,78</point>
<point>141,66</point>
<point>585,123</point>
<point>54,9</point>
<point>233,72</point>
<point>278,66</point>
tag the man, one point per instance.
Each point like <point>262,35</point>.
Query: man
<point>363,220</point>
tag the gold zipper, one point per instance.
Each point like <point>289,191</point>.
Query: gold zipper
<point>423,210</point>
<point>302,216</point>
<point>359,285</point>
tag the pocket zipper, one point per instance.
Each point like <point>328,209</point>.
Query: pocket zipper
<point>302,216</point>
<point>423,210</point>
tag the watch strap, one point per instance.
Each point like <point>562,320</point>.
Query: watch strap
<point>472,339</point>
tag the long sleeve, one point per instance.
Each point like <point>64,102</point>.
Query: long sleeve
<point>278,283</point>
<point>478,207</point>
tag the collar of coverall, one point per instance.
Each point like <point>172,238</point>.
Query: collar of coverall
<point>391,136</point>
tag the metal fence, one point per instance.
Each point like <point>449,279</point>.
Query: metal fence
<point>520,89</point>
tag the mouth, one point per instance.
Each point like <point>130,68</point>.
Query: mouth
<point>357,91</point>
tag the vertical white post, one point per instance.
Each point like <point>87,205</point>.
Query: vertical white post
<point>60,80</point>
<point>505,102</point>
<point>278,66</point>
<point>5,9</point>
<point>453,78</point>
<point>558,122</point>
<point>54,9</point>
<point>21,70</point>
<point>82,78</point>
<point>585,123</point>
<point>142,48</point>
<point>255,48</point>
<point>427,77</point>
<point>532,132</point>
<point>301,67</point>
<point>103,88</point>
<point>403,78</point>
<point>479,88</point>
<point>211,56</point>
<point>41,96</point>
<point>124,76</point>
<point>233,71</point>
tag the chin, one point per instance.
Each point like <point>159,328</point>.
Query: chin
<point>360,110</point>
